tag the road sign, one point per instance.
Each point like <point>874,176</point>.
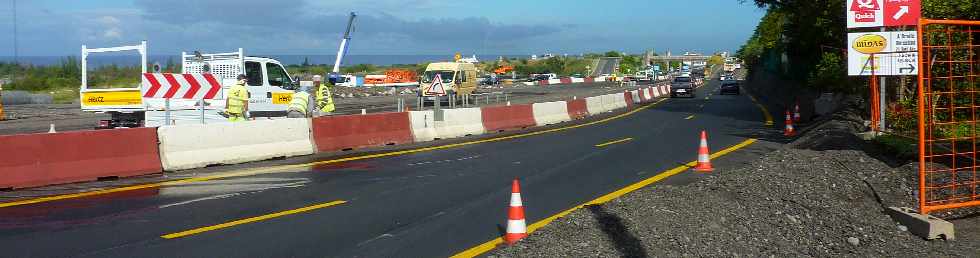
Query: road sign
<point>878,13</point>
<point>180,86</point>
<point>436,88</point>
<point>895,53</point>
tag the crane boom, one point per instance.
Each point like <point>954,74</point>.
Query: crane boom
<point>343,44</point>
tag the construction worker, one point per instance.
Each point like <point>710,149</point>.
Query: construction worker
<point>324,100</point>
<point>236,104</point>
<point>301,105</point>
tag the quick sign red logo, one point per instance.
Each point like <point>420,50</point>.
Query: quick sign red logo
<point>864,10</point>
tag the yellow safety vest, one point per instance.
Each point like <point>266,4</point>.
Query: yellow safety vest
<point>237,97</point>
<point>300,101</point>
<point>324,100</point>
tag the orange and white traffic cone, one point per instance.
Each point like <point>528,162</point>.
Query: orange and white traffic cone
<point>704,158</point>
<point>516,227</point>
<point>796,113</point>
<point>789,126</point>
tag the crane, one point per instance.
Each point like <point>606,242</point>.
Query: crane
<point>334,74</point>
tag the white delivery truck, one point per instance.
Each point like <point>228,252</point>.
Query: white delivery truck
<point>269,85</point>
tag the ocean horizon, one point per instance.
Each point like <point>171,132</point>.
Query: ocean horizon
<point>380,60</point>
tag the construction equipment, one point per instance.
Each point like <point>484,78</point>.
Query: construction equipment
<point>335,73</point>
<point>163,98</point>
<point>503,69</point>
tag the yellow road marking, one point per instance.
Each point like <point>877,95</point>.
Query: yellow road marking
<point>614,142</point>
<point>689,117</point>
<point>765,111</point>
<point>490,245</point>
<point>250,220</point>
<point>262,170</point>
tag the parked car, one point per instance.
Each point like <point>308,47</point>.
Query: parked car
<point>489,80</point>
<point>729,86</point>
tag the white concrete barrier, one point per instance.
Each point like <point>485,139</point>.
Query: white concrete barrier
<point>529,83</point>
<point>423,125</point>
<point>620,101</point>
<point>599,79</point>
<point>578,80</point>
<point>550,113</point>
<point>653,93</point>
<point>594,105</point>
<point>460,122</point>
<point>554,81</point>
<point>636,96</point>
<point>609,101</point>
<point>196,146</point>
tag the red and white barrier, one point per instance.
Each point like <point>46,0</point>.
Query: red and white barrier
<point>31,160</point>
<point>334,133</point>
<point>550,113</point>
<point>180,86</point>
<point>501,118</point>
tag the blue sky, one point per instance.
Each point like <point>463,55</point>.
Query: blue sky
<point>60,27</point>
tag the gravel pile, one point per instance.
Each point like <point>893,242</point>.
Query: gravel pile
<point>821,195</point>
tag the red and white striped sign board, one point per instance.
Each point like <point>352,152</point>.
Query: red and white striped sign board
<point>180,86</point>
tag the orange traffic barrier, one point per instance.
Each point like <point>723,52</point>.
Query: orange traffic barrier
<point>790,131</point>
<point>796,112</point>
<point>704,158</point>
<point>516,227</point>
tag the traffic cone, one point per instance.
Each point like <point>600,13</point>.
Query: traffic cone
<point>516,227</point>
<point>789,126</point>
<point>796,112</point>
<point>704,158</point>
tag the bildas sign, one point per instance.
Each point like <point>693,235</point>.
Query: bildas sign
<point>895,53</point>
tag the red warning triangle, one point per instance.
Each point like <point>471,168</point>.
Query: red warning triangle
<point>436,87</point>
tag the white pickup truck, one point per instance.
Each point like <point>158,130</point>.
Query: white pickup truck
<point>269,85</point>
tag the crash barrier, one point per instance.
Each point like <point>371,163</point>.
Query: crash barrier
<point>501,118</point>
<point>577,109</point>
<point>423,125</point>
<point>599,79</point>
<point>565,80</point>
<point>31,160</point>
<point>588,80</point>
<point>642,94</point>
<point>459,122</point>
<point>195,145</point>
<point>594,105</point>
<point>550,113</point>
<point>334,133</point>
<point>614,101</point>
<point>543,83</point>
<point>634,97</point>
<point>577,80</point>
<point>555,81</point>
<point>948,176</point>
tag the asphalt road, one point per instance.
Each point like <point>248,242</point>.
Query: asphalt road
<point>422,204</point>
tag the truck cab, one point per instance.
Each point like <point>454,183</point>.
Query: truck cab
<point>457,78</point>
<point>270,86</point>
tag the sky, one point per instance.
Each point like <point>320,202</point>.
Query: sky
<point>383,27</point>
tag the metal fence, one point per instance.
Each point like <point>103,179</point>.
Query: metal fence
<point>949,99</point>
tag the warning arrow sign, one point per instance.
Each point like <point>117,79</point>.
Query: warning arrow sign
<point>902,12</point>
<point>436,88</point>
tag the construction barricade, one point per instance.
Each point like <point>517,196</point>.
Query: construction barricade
<point>196,146</point>
<point>948,107</point>
<point>501,118</point>
<point>550,113</point>
<point>334,133</point>
<point>31,160</point>
<point>577,109</point>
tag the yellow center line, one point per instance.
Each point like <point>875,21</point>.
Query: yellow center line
<point>250,220</point>
<point>490,245</point>
<point>689,117</point>
<point>614,142</point>
<point>272,169</point>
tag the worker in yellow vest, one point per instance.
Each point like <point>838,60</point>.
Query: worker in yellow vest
<point>300,106</point>
<point>236,104</point>
<point>324,100</point>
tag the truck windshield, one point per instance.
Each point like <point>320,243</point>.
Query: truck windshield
<point>447,76</point>
<point>682,79</point>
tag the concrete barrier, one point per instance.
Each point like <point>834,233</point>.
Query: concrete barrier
<point>334,133</point>
<point>634,97</point>
<point>30,160</point>
<point>459,122</point>
<point>196,146</point>
<point>643,94</point>
<point>613,101</point>
<point>588,80</point>
<point>577,80</point>
<point>577,109</point>
<point>550,113</point>
<point>501,118</point>
<point>599,79</point>
<point>423,125</point>
<point>594,105</point>
<point>529,83</point>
